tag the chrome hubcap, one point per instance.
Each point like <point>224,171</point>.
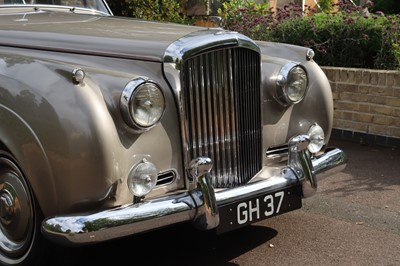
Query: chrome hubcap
<point>6,207</point>
<point>16,212</point>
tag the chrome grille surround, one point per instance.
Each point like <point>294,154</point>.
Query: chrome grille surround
<point>217,80</point>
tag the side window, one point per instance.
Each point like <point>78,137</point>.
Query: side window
<point>11,2</point>
<point>43,2</point>
<point>79,3</point>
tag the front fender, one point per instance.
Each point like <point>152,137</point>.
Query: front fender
<point>60,121</point>
<point>86,144</point>
<point>281,122</point>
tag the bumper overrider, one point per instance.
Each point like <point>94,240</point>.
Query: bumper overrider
<point>201,205</point>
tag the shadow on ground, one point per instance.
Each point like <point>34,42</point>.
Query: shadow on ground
<point>176,245</point>
<point>369,167</point>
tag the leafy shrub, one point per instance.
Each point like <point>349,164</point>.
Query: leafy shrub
<point>156,10</point>
<point>338,33</point>
<point>246,17</point>
<point>341,37</point>
<point>326,5</point>
<point>344,41</point>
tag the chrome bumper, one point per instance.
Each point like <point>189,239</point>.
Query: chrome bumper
<point>199,205</point>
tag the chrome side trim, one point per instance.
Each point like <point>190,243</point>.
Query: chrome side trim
<point>73,9</point>
<point>166,178</point>
<point>198,205</point>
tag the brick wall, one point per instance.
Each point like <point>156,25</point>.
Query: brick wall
<point>366,104</point>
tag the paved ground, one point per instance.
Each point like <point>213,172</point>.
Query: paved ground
<point>354,219</point>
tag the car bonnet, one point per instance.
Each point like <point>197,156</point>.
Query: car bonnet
<point>90,34</point>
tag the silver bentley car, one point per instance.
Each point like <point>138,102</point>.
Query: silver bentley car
<point>112,126</point>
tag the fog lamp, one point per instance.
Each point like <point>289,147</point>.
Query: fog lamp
<point>142,178</point>
<point>317,138</point>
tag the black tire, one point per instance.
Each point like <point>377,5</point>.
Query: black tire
<point>21,241</point>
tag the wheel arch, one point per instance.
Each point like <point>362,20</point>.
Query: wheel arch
<point>17,138</point>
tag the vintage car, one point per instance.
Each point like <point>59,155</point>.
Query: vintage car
<point>113,126</point>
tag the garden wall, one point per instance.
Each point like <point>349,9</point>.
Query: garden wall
<point>366,105</point>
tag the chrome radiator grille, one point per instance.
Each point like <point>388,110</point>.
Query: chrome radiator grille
<point>222,116</point>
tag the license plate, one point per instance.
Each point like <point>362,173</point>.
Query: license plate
<point>257,208</point>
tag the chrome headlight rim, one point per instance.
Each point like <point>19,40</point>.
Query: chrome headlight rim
<point>286,87</point>
<point>127,106</point>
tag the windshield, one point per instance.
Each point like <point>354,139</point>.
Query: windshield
<point>95,5</point>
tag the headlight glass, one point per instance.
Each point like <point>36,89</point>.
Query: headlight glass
<point>296,84</point>
<point>317,138</point>
<point>147,105</point>
<point>292,83</point>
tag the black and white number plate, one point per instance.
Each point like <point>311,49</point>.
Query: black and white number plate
<point>250,210</point>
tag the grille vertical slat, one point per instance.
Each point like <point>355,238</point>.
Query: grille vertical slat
<point>215,89</point>
<point>220,115</point>
<point>231,123</point>
<point>197,101</point>
<point>209,106</point>
<point>191,104</point>
<point>221,92</point>
<point>204,111</point>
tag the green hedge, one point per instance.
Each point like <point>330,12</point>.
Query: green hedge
<point>339,35</point>
<point>155,10</point>
<point>343,41</point>
<point>341,38</point>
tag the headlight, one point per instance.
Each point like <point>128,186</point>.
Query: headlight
<point>292,83</point>
<point>142,104</point>
<point>317,138</point>
<point>142,178</point>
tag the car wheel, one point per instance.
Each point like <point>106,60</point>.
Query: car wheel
<point>20,218</point>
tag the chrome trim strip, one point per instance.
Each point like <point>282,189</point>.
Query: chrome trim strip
<point>50,7</point>
<point>286,178</point>
<point>197,205</point>
<point>200,41</point>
